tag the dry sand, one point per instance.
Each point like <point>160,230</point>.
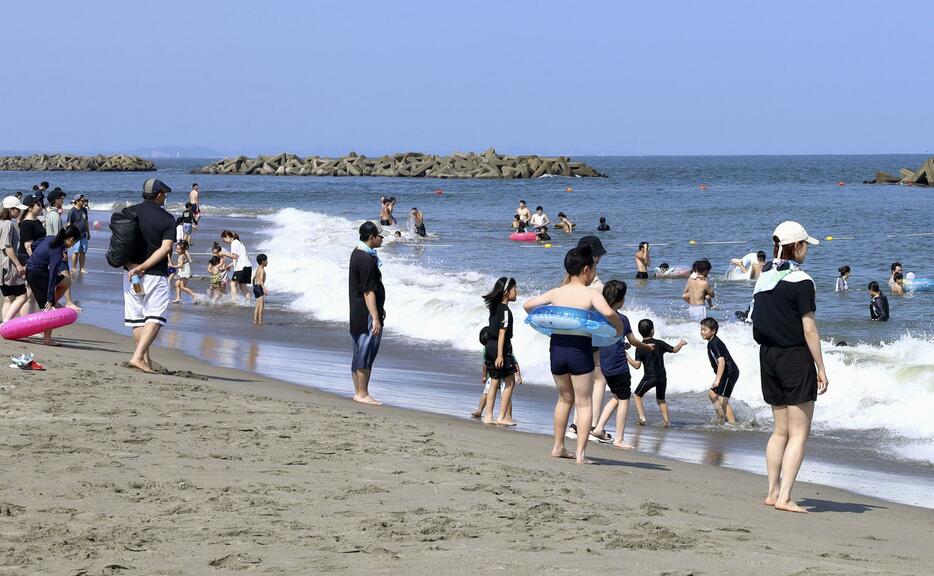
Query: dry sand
<point>213,471</point>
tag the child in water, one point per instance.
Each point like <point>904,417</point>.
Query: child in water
<point>259,288</point>
<point>542,234</point>
<point>653,375</point>
<point>572,360</point>
<point>499,349</point>
<point>898,284</point>
<point>726,373</point>
<point>518,224</point>
<point>603,226</point>
<point>183,272</point>
<point>615,363</point>
<point>878,303</point>
<point>564,223</point>
<point>842,285</point>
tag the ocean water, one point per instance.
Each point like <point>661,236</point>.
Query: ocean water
<point>881,385</point>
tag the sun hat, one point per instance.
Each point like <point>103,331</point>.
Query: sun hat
<point>596,246</point>
<point>13,202</point>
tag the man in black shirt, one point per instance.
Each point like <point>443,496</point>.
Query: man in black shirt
<point>367,296</point>
<point>146,284</point>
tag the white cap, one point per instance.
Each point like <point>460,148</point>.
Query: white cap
<point>13,202</point>
<point>789,232</point>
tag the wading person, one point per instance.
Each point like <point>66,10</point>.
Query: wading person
<point>367,297</point>
<point>790,359</point>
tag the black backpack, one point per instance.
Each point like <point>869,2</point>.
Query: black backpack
<point>124,237</point>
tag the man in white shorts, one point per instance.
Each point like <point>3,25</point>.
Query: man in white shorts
<point>146,284</point>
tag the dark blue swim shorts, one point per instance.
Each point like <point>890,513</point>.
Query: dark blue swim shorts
<point>571,354</point>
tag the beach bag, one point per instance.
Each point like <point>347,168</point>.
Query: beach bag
<point>124,237</point>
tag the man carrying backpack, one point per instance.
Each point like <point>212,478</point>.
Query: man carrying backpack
<point>146,283</point>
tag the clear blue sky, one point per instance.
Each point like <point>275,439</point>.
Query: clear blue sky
<point>572,77</point>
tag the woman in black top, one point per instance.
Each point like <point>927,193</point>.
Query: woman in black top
<point>785,328</point>
<point>499,348</point>
<point>31,229</point>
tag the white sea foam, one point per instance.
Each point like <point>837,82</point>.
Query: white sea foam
<point>178,207</point>
<point>888,387</point>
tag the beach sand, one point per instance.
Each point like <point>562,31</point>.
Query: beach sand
<point>213,471</point>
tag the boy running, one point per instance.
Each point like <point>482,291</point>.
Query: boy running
<point>725,370</point>
<point>654,375</point>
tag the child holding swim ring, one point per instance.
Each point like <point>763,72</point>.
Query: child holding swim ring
<point>499,348</point>
<point>572,360</point>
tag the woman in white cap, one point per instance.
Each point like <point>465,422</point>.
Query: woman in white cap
<point>790,359</point>
<point>12,270</point>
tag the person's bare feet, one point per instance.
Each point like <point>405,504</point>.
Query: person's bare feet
<point>769,501</point>
<point>176,301</point>
<point>475,414</point>
<point>74,307</point>
<point>790,507</point>
<point>50,342</point>
<point>624,445</point>
<point>666,424</point>
<point>140,365</point>
<point>562,454</point>
<point>505,422</point>
<point>367,400</point>
<point>585,461</point>
<point>641,422</point>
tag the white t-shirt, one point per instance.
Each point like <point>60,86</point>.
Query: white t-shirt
<point>179,233</point>
<point>539,220</point>
<point>242,261</point>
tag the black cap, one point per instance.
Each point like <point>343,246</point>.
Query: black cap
<point>596,246</point>
<point>368,230</point>
<point>154,186</point>
<point>56,194</point>
<point>32,199</point>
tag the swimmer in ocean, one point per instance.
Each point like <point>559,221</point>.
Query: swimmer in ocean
<point>697,292</point>
<point>896,269</point>
<point>572,362</point>
<point>643,261</point>
<point>418,219</point>
<point>751,268</point>
<point>603,226</point>
<point>542,234</point>
<point>385,213</point>
<point>523,212</point>
<point>518,225</point>
<point>564,224</point>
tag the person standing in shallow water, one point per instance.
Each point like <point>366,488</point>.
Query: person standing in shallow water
<point>790,359</point>
<point>367,312</point>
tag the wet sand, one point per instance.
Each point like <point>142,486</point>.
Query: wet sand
<point>211,470</point>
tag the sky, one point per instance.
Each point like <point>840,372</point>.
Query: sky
<point>582,78</point>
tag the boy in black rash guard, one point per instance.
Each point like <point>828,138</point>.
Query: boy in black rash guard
<point>725,370</point>
<point>614,363</point>
<point>878,303</point>
<point>654,375</point>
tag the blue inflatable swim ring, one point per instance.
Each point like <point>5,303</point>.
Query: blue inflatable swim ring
<point>919,285</point>
<point>561,320</point>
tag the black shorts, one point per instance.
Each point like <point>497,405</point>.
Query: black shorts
<point>620,385</point>
<point>649,383</point>
<point>508,369</point>
<point>244,276</point>
<point>13,291</point>
<point>39,284</point>
<point>571,354</point>
<point>258,291</point>
<point>725,388</point>
<point>789,376</point>
<point>642,275</point>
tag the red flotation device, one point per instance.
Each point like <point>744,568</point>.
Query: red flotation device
<point>523,237</point>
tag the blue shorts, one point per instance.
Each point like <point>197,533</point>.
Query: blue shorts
<point>571,354</point>
<point>80,247</point>
<point>186,229</point>
<point>365,348</point>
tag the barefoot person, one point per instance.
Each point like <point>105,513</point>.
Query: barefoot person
<point>789,350</point>
<point>46,271</point>
<point>499,348</point>
<point>572,363</point>
<point>367,297</point>
<point>146,282</point>
<point>242,266</point>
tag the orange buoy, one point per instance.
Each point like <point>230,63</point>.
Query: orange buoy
<point>568,189</point>
<point>439,192</point>
<point>841,183</point>
<point>703,186</point>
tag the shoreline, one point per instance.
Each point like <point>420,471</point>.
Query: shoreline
<point>218,472</point>
<point>316,354</point>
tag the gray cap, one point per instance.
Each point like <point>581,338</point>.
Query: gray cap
<point>154,186</point>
